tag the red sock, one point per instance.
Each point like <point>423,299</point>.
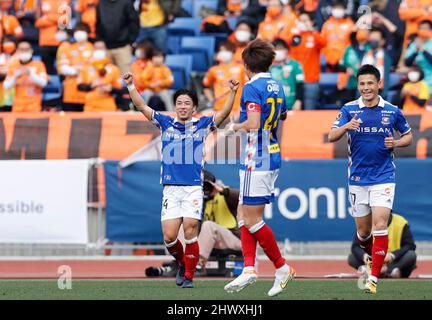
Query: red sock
<point>191,257</point>
<point>267,241</point>
<point>249,243</point>
<point>176,250</point>
<point>365,244</point>
<point>379,251</point>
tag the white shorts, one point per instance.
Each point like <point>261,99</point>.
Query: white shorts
<point>362,198</point>
<point>182,202</point>
<point>257,187</point>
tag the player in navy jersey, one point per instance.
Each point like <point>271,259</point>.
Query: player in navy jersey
<point>369,123</point>
<point>183,140</point>
<point>262,106</point>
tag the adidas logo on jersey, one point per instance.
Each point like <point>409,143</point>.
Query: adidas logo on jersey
<point>380,253</point>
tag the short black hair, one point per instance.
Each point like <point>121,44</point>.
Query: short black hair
<point>426,21</point>
<point>280,42</point>
<point>369,69</point>
<point>380,30</point>
<point>338,3</point>
<point>191,93</point>
<point>82,26</point>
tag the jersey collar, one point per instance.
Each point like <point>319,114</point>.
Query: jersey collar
<point>260,75</point>
<point>191,120</point>
<point>381,102</point>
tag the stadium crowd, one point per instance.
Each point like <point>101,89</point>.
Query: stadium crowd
<point>88,44</point>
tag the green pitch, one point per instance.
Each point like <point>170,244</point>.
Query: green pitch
<point>209,290</point>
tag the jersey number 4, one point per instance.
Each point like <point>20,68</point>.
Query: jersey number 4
<point>273,118</point>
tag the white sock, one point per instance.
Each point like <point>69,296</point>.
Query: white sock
<point>283,270</point>
<point>248,269</point>
<point>373,278</point>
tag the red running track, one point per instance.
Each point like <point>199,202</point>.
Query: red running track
<point>134,269</point>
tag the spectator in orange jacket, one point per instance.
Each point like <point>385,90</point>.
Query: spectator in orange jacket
<point>8,48</point>
<point>73,59</point>
<point>157,78</point>
<point>216,81</point>
<point>27,77</point>
<point>306,44</point>
<point>415,93</point>
<point>9,25</point>
<point>86,10</point>
<point>336,31</point>
<point>144,54</point>
<point>48,24</point>
<point>275,22</point>
<point>101,80</point>
<point>412,12</point>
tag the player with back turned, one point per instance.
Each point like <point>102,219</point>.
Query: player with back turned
<point>182,177</point>
<point>262,105</point>
<point>369,123</point>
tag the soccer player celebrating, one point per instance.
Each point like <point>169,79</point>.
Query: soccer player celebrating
<point>262,105</point>
<point>182,159</point>
<point>368,123</point>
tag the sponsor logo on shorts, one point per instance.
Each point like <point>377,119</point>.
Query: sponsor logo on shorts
<point>387,191</point>
<point>195,202</point>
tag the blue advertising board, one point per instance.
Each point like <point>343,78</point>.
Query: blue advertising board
<point>311,200</point>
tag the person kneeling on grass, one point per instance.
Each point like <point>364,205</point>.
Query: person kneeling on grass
<point>401,258</point>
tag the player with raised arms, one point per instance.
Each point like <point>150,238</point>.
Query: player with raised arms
<point>369,123</point>
<point>183,140</point>
<point>262,105</point>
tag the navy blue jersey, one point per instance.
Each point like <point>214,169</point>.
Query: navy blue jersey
<point>182,149</point>
<point>370,162</point>
<point>260,150</point>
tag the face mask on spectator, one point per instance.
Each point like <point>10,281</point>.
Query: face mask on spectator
<point>99,55</point>
<point>9,47</point>
<point>139,54</point>
<point>274,11</point>
<point>61,36</point>
<point>45,7</point>
<point>243,35</point>
<point>25,56</point>
<point>280,55</point>
<point>338,13</point>
<point>100,59</point>
<point>414,76</point>
<point>80,36</point>
<point>374,44</point>
<point>302,26</point>
<point>424,34</point>
<point>224,56</point>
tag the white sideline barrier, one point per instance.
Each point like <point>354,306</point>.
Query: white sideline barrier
<point>44,201</point>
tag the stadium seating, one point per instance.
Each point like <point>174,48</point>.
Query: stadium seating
<point>198,4</point>
<point>184,27</point>
<point>173,44</point>
<point>181,67</point>
<point>187,5</point>
<point>218,37</point>
<point>201,48</point>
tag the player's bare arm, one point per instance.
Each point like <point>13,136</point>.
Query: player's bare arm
<point>404,141</point>
<point>253,122</point>
<point>226,110</point>
<point>136,97</point>
<point>336,134</point>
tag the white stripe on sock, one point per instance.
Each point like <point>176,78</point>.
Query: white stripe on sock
<point>256,227</point>
<point>241,223</point>
<point>363,239</point>
<point>190,241</point>
<point>169,245</point>
<point>380,233</point>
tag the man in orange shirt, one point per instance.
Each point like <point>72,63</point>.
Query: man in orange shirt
<point>306,44</point>
<point>144,54</point>
<point>412,12</point>
<point>73,59</point>
<point>9,25</point>
<point>336,31</point>
<point>48,24</point>
<point>275,21</point>
<point>87,14</point>
<point>157,78</point>
<point>101,80</point>
<point>28,77</point>
<point>216,81</point>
